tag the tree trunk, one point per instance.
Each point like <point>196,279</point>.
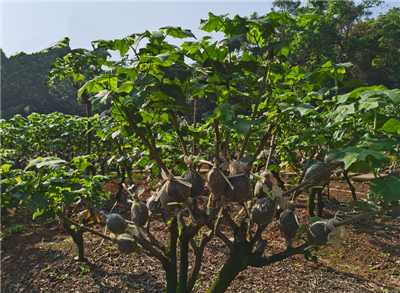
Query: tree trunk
<point>236,263</point>
<point>77,236</point>
<point>353,191</point>
<point>311,202</point>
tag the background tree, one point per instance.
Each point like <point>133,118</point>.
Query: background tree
<point>22,85</point>
<point>373,47</point>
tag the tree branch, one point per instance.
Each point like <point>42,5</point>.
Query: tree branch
<point>365,215</point>
<point>197,264</point>
<point>176,126</point>
<point>257,261</point>
<point>313,178</point>
<point>228,218</point>
<point>260,146</point>
<point>217,143</point>
<point>260,93</point>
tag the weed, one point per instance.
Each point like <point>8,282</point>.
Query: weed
<point>56,246</point>
<point>84,270</point>
<point>109,247</point>
<point>18,287</point>
<point>63,277</point>
<point>68,240</point>
<point>14,228</point>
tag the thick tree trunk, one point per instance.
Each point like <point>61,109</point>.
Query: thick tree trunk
<point>236,263</point>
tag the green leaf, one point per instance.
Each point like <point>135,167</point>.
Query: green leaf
<point>214,23</point>
<point>69,197</point>
<point>387,188</point>
<point>305,18</point>
<point>342,112</point>
<point>5,168</point>
<point>176,70</point>
<point>355,94</point>
<point>241,125</point>
<point>351,155</point>
<point>233,43</point>
<point>360,165</point>
<point>178,32</point>
<point>303,229</point>
<point>394,96</point>
<point>377,144</point>
<point>164,59</point>
<point>136,97</point>
<point>127,130</point>
<point>116,133</point>
<point>91,86</point>
<point>299,110</point>
<point>227,112</point>
<point>356,203</point>
<point>370,103</point>
<point>52,163</point>
<point>100,99</point>
<point>22,195</point>
<point>315,219</point>
<point>336,67</point>
<point>392,126</point>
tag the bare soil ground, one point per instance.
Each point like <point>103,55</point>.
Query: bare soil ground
<point>41,257</point>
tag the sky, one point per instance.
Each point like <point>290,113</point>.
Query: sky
<point>30,26</point>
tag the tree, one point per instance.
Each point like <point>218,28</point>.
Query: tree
<point>285,5</point>
<point>23,90</point>
<point>373,49</point>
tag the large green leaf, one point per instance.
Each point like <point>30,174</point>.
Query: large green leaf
<point>394,96</point>
<point>214,23</point>
<point>176,70</point>
<point>69,197</point>
<point>233,43</point>
<point>240,125</point>
<point>355,94</point>
<point>377,144</point>
<point>392,126</point>
<point>91,86</point>
<point>342,112</point>
<point>227,112</point>
<point>305,18</point>
<point>100,99</point>
<point>136,97</point>
<point>178,32</point>
<point>164,59</point>
<point>387,188</point>
<point>299,110</point>
<point>370,103</point>
<point>351,155</point>
<point>52,163</point>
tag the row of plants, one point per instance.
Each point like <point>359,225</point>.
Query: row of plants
<point>297,118</point>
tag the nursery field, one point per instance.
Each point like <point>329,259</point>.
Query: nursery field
<point>39,258</point>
